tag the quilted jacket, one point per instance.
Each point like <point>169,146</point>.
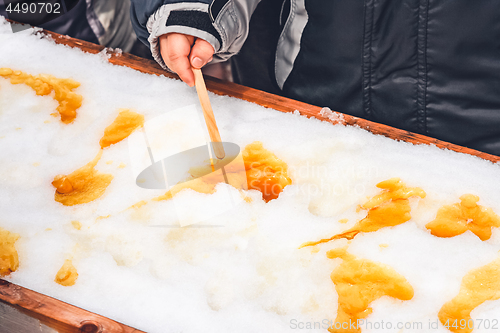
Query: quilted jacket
<point>427,66</point>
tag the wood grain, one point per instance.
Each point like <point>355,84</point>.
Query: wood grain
<point>208,114</point>
<point>63,317</point>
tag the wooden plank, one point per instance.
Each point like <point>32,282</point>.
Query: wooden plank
<point>13,320</point>
<point>271,101</point>
<point>61,316</point>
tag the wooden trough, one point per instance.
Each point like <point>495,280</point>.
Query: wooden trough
<point>63,317</point>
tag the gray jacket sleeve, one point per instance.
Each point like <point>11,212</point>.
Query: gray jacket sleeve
<point>222,23</point>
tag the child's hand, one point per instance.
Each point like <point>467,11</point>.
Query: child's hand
<point>180,54</point>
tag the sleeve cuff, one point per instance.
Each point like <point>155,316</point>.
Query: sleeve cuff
<point>186,18</point>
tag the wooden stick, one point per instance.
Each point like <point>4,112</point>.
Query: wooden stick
<point>208,113</point>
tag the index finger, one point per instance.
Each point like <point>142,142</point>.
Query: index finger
<point>175,49</point>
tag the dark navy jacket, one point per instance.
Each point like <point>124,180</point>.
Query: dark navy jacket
<point>427,66</point>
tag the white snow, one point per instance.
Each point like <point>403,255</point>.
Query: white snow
<point>247,276</point>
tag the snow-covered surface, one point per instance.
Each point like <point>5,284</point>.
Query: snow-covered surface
<point>247,276</point>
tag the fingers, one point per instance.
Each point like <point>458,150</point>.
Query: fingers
<point>180,54</point>
<point>175,49</point>
<point>201,53</point>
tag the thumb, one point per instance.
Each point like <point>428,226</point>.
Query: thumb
<point>201,53</point>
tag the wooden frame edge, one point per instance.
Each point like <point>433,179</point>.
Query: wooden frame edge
<point>268,100</point>
<point>61,316</point>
